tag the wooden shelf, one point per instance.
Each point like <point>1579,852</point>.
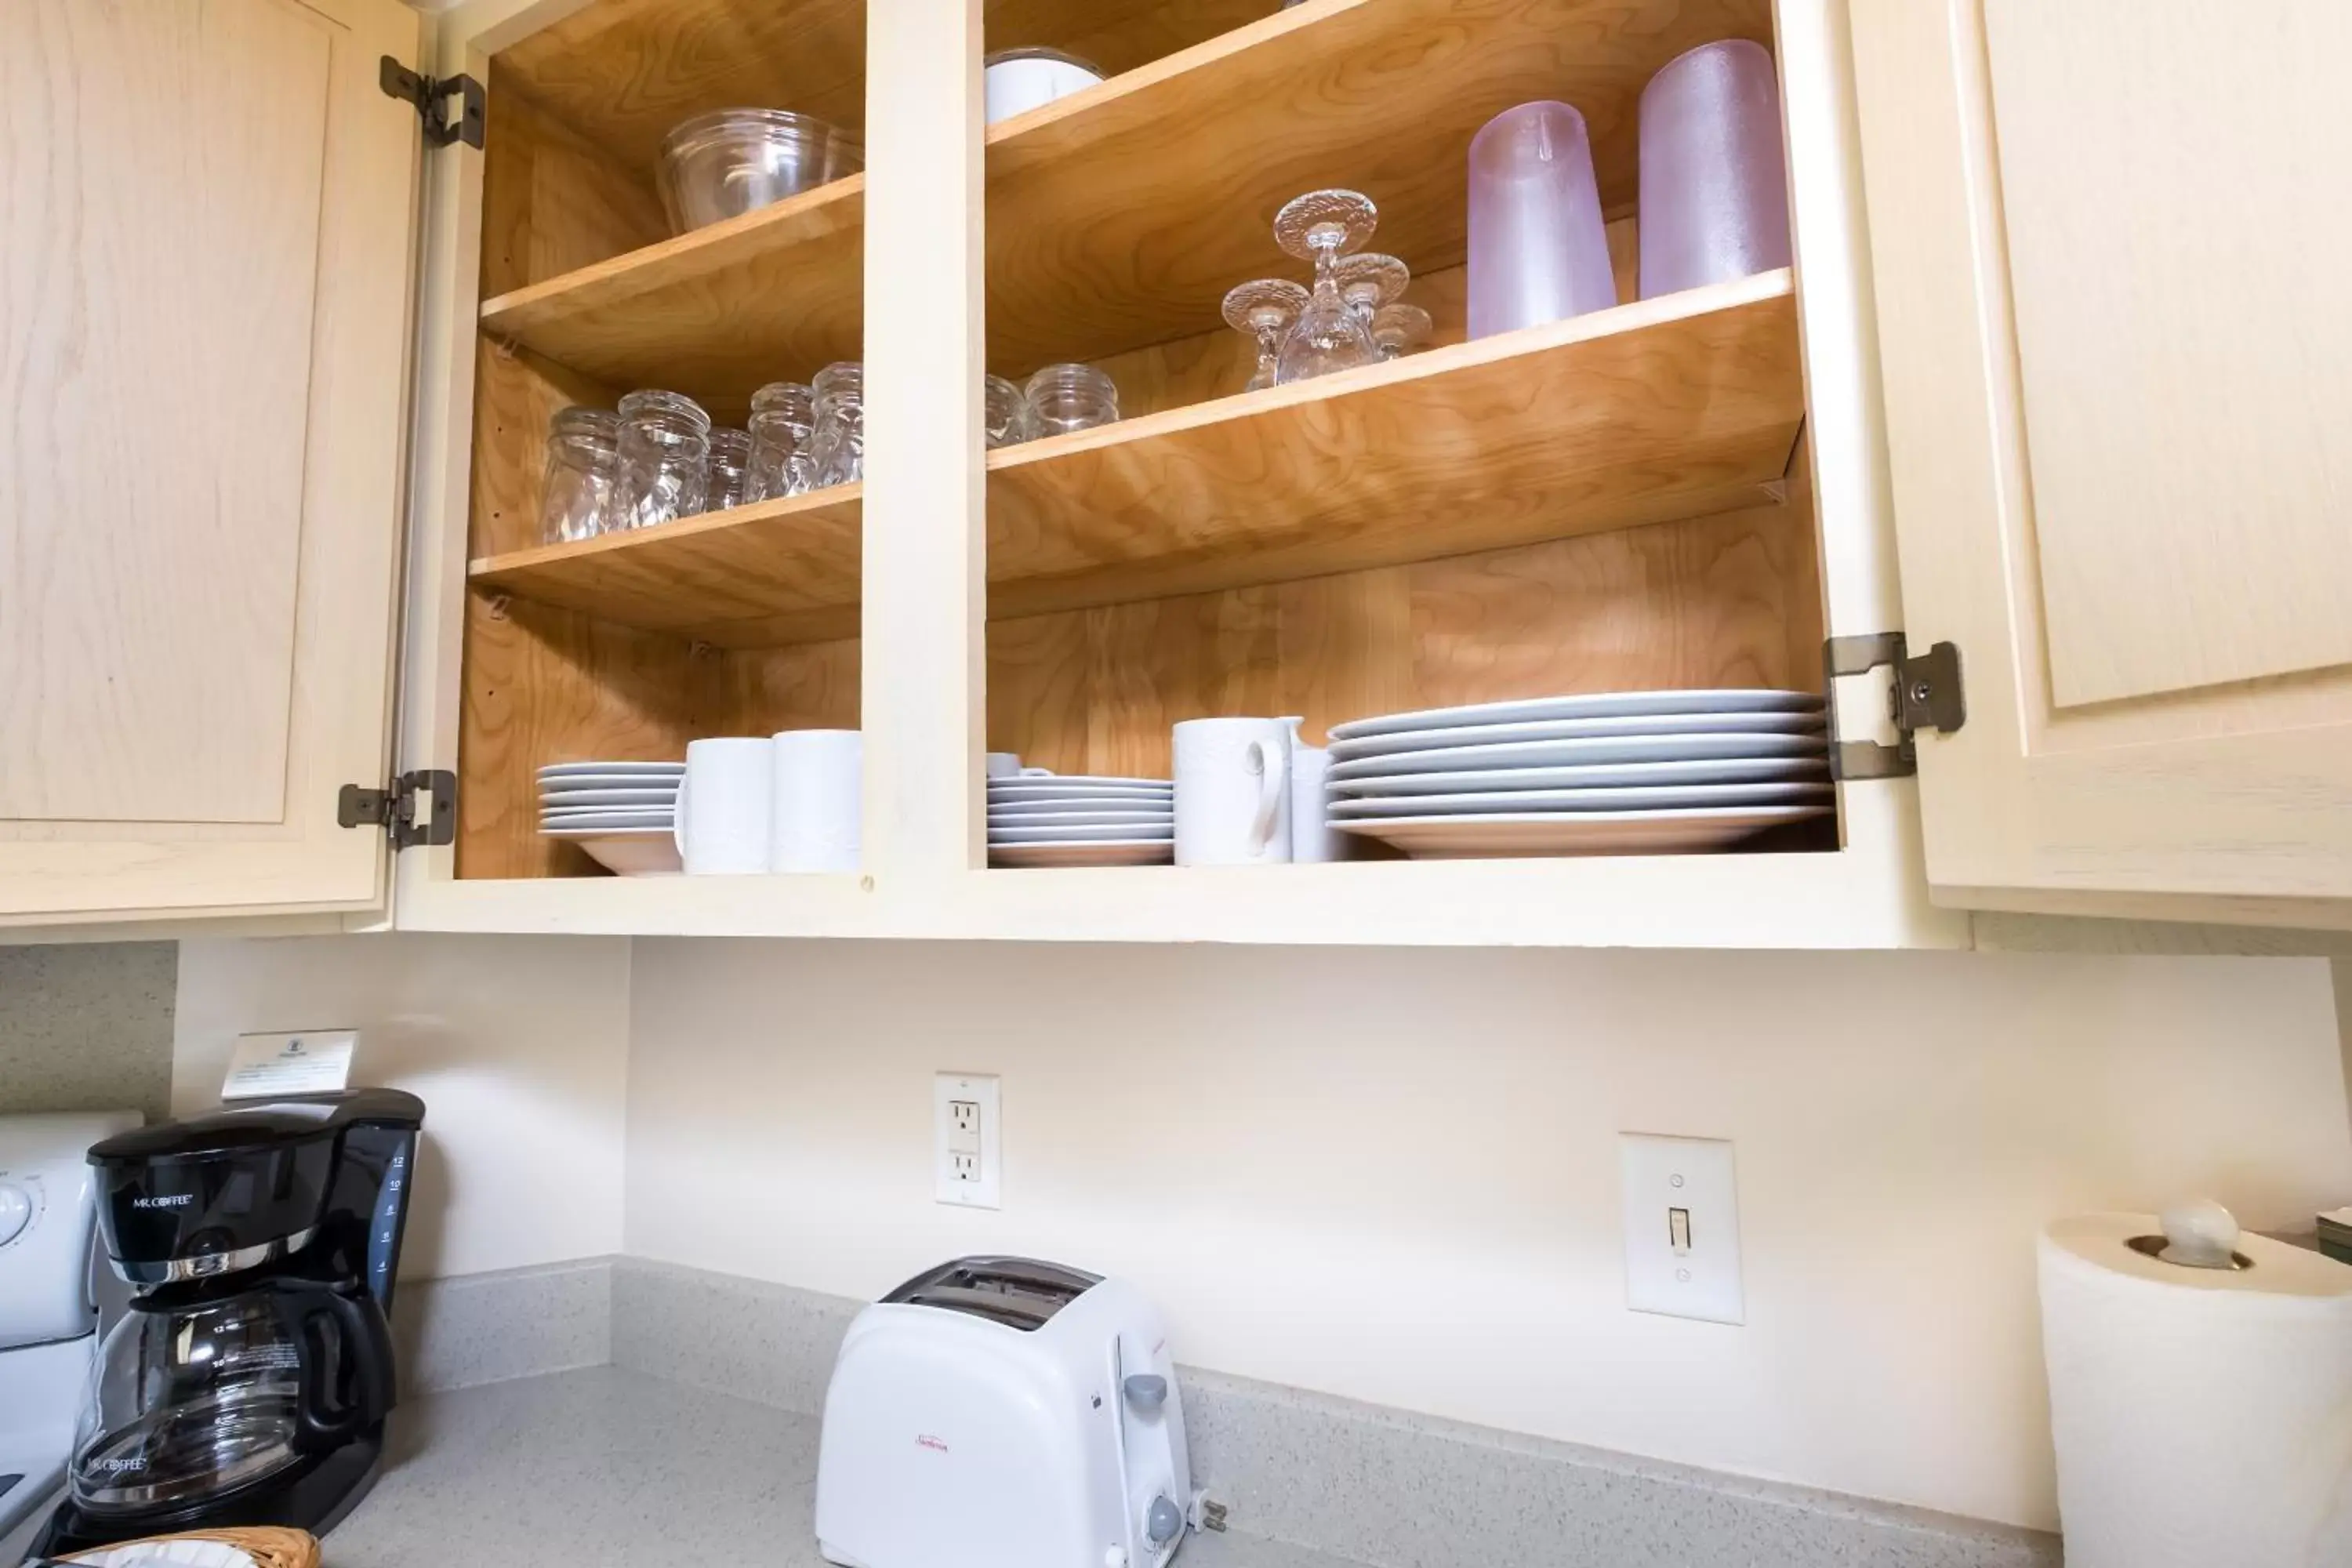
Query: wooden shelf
<point>1669,409</point>
<point>1119,217</point>
<point>756,576</point>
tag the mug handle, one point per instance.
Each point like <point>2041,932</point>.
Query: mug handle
<point>1274,783</point>
<point>677,818</point>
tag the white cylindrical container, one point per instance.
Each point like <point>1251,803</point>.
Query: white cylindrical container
<point>1018,80</point>
<point>819,801</point>
<point>2201,1415</point>
<point>1311,838</point>
<point>723,806</point>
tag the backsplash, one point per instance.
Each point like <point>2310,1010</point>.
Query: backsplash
<point>88,1026</point>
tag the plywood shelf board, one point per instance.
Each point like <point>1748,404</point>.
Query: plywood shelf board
<point>1669,409</point>
<point>1117,217</point>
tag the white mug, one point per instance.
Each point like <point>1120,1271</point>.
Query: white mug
<point>1232,792</point>
<point>1311,838</point>
<point>723,807</point>
<point>1007,766</point>
<point>819,800</point>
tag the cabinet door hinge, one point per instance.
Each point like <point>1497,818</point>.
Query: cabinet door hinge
<point>1926,694</point>
<point>425,93</point>
<point>395,809</point>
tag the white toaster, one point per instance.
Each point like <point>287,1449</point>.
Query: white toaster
<point>1004,1413</point>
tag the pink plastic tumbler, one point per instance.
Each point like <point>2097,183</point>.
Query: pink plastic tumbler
<point>1537,251</point>
<point>1715,197</point>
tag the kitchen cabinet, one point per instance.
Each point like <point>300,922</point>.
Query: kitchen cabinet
<point>1692,491</point>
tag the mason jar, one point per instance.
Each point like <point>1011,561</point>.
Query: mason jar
<point>576,495</point>
<point>783,441</point>
<point>665,457</point>
<point>840,390</point>
<point>731,469</point>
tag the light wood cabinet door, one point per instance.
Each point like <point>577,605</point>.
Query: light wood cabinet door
<point>205,304</point>
<point>2108,241</point>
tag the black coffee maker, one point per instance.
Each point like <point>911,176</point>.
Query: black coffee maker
<point>249,1382</point>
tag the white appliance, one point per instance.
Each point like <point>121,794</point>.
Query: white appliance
<point>49,1314</point>
<point>1004,1412</point>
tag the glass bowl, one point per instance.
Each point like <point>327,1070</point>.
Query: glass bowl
<point>729,162</point>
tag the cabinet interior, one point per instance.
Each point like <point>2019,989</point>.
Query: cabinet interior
<point>1620,501</point>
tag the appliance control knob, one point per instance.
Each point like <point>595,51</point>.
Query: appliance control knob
<point>1115,1558</point>
<point>1147,1391</point>
<point>1165,1523</point>
<point>16,1211</point>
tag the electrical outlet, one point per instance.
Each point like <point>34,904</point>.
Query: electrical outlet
<point>967,1142</point>
<point>1682,1227</point>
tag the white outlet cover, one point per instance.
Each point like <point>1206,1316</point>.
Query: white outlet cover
<point>984,1188</point>
<point>1696,1174</point>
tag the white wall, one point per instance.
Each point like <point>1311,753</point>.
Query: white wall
<point>1392,1175</point>
<point>86,1026</point>
<point>518,1045</point>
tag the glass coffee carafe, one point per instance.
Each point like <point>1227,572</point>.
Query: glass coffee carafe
<point>204,1389</point>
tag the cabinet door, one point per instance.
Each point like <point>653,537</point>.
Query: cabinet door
<point>204,335</point>
<point>2107,240</point>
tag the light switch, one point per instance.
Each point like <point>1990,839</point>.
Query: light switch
<point>1682,1227</point>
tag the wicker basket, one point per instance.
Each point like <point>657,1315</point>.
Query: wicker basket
<point>268,1548</point>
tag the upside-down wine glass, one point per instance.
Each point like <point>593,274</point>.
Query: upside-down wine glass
<point>1322,226</point>
<point>1265,308</point>
<point>1369,281</point>
<point>1400,326</point>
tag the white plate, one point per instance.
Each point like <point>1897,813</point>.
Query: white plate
<point>1683,797</point>
<point>575,820</point>
<point>1116,852</point>
<point>551,800</point>
<point>1129,831</point>
<point>1572,753</point>
<point>550,788</point>
<point>634,769</point>
<point>1630,728</point>
<point>631,852</point>
<point>1620,775</point>
<point>1577,832</point>
<point>1142,821</point>
<point>1075,782</point>
<point>1596,705</point>
<point>1160,804</point>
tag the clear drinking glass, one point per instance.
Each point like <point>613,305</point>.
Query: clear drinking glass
<point>783,441</point>
<point>1265,308</point>
<point>576,498</point>
<point>1009,420</point>
<point>1400,326</point>
<point>1715,197</point>
<point>1322,226</point>
<point>1369,281</point>
<point>731,469</point>
<point>841,423</point>
<point>1065,397</point>
<point>665,457</point>
<point>1537,251</point>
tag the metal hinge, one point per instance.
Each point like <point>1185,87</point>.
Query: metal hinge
<point>426,93</point>
<point>395,809</point>
<point>1926,695</point>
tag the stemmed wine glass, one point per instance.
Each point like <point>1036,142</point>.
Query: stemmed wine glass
<point>1369,281</point>
<point>1322,226</point>
<point>1265,308</point>
<point>1399,326</point>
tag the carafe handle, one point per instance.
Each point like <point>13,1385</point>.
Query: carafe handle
<point>359,1335</point>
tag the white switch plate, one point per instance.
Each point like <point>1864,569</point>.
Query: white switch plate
<point>967,1140</point>
<point>1694,1175</point>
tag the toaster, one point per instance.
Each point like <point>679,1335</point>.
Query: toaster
<point>1004,1413</point>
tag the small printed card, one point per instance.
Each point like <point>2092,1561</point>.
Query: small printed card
<point>316,1061</point>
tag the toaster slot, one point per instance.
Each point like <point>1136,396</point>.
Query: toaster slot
<point>1022,1293</point>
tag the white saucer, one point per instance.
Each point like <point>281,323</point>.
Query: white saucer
<point>1682,797</point>
<point>1595,705</point>
<point>1626,775</point>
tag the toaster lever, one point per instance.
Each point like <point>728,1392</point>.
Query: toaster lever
<point>1147,1391</point>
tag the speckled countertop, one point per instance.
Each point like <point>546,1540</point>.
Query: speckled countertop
<point>609,1466</point>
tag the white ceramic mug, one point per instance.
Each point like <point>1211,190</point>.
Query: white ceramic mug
<point>1007,766</point>
<point>724,808</point>
<point>819,800</point>
<point>1232,792</point>
<point>1311,838</point>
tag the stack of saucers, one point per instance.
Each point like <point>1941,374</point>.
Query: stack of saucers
<point>622,813</point>
<point>1625,773</point>
<point>1037,819</point>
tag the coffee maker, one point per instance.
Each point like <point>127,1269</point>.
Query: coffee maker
<point>250,1379</point>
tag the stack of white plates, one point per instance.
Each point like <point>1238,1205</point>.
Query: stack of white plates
<point>620,812</point>
<point>1623,773</point>
<point>1083,820</point>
